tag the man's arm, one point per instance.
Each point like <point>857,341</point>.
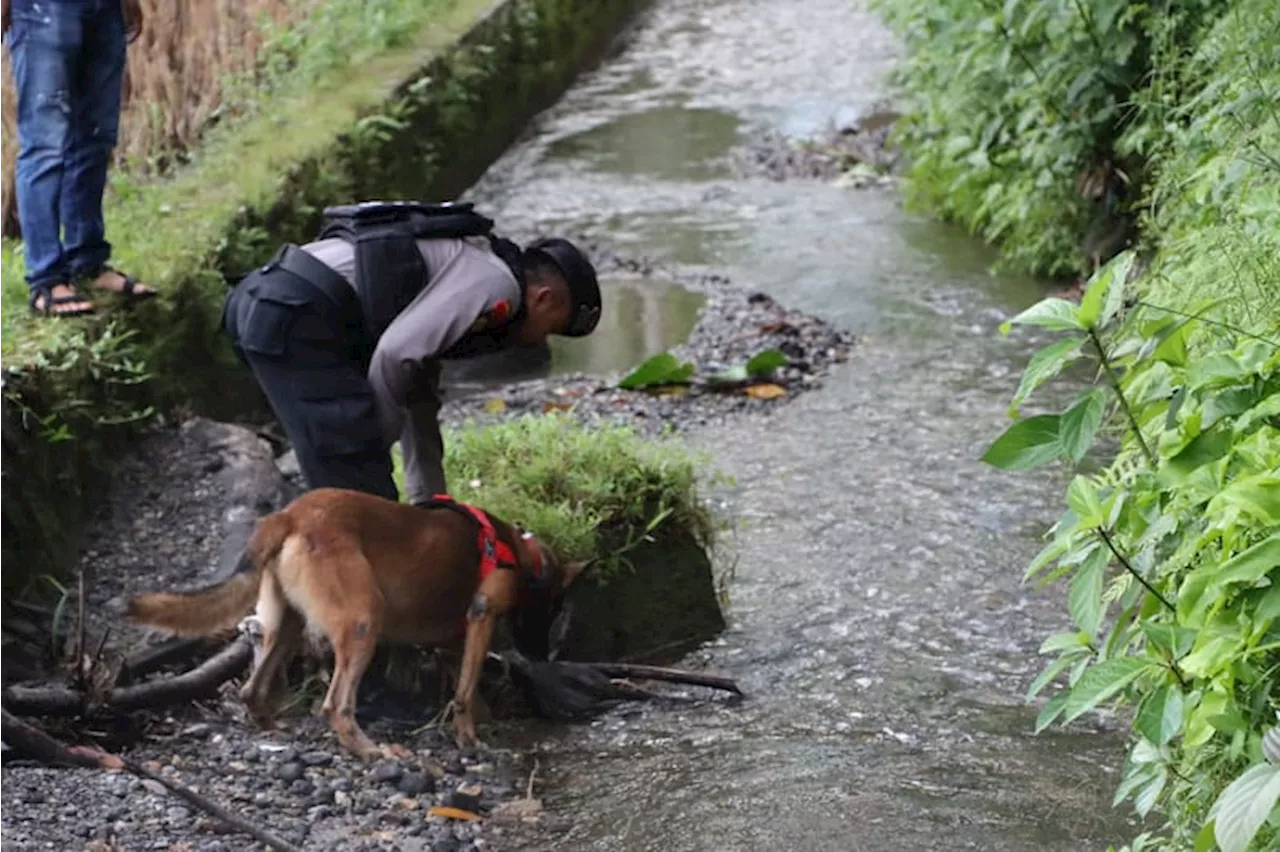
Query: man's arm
<point>404,372</point>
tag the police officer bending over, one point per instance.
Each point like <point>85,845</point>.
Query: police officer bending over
<point>345,335</point>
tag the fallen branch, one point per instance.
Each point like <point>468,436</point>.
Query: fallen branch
<point>633,670</point>
<point>170,652</point>
<point>35,743</point>
<point>210,807</point>
<point>29,740</point>
<point>197,683</point>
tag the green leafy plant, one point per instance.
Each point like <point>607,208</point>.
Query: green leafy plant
<point>665,369</point>
<point>662,369</point>
<point>1172,556</point>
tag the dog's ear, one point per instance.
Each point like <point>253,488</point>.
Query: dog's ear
<point>571,570</point>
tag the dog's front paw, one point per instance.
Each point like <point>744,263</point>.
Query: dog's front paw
<point>464,731</point>
<point>396,751</point>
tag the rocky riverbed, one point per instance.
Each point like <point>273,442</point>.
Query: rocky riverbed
<point>733,326</point>
<point>181,507</point>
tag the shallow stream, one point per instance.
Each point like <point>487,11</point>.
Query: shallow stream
<point>878,617</point>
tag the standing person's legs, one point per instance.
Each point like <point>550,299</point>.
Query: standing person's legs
<point>44,41</point>
<point>95,110</point>
<point>319,394</point>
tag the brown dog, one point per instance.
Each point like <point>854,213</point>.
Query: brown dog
<point>359,569</point>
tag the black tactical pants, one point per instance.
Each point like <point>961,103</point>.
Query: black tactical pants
<point>301,339</point>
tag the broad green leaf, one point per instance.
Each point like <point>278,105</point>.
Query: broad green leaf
<point>1051,711</point>
<point>661,369</point>
<point>1105,288</point>
<point>1049,553</point>
<point>1052,313</point>
<point>1063,641</point>
<point>1102,682</point>
<point>1216,370</point>
<point>1245,805</point>
<point>763,363</point>
<point>1044,365</point>
<point>1211,656</point>
<point>1231,402</point>
<point>1251,565</point>
<point>1080,423</point>
<point>1026,444</point>
<point>1083,500</point>
<point>1085,599</point>
<point>1049,675</point>
<point>1256,497</point>
<point>1204,839</point>
<point>1206,448</point>
<point>1147,796</point>
<point>1119,266</point>
<point>1160,715</point>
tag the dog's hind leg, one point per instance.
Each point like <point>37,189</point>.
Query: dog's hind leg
<point>353,647</point>
<point>349,609</point>
<point>281,635</point>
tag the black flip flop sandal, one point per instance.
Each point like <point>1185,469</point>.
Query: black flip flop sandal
<point>128,289</point>
<point>50,300</point>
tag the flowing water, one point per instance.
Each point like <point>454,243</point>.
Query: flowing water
<point>878,620</point>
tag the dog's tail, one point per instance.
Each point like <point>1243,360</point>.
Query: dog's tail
<point>219,607</point>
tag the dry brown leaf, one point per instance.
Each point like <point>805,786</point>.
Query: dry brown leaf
<point>766,391</point>
<point>557,406</point>
<point>452,813</point>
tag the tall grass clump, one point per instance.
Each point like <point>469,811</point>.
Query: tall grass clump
<point>579,488</point>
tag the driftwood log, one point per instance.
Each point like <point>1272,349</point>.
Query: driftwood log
<point>200,682</point>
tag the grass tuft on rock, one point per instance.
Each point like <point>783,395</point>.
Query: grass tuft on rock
<point>580,489</point>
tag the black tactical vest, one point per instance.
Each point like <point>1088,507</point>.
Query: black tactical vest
<point>389,269</point>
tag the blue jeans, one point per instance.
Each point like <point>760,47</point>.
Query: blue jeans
<point>68,61</point>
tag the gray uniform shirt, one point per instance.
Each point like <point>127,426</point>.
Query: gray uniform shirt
<point>467,281</point>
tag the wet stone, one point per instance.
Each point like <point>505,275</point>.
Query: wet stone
<point>386,772</point>
<point>317,758</point>
<point>289,772</point>
<point>416,783</point>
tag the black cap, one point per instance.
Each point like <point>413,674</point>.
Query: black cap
<point>580,275</point>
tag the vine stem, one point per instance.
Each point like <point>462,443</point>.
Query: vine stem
<point>1124,403</point>
<point>1115,551</point>
<point>1128,567</point>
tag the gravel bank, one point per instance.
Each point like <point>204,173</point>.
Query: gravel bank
<point>178,511</point>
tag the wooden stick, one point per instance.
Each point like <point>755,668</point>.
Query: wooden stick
<point>197,683</point>
<point>35,743</point>
<point>670,675</point>
<point>30,740</point>
<point>154,657</point>
<point>211,807</point>
<point>82,675</point>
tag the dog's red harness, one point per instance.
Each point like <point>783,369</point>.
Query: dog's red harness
<point>494,552</point>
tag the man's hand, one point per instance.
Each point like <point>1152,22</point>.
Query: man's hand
<point>132,18</point>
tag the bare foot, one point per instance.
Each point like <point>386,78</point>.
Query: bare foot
<point>114,281</point>
<point>62,300</point>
